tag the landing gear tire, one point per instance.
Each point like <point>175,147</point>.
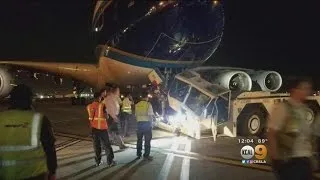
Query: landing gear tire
<point>252,124</point>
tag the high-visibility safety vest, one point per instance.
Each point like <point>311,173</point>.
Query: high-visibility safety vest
<point>141,109</point>
<point>96,115</point>
<point>21,152</point>
<point>126,106</point>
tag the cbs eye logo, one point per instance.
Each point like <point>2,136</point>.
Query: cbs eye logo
<point>260,152</point>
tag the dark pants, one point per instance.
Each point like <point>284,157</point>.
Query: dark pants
<point>144,130</point>
<point>101,136</point>
<point>125,122</point>
<point>294,169</point>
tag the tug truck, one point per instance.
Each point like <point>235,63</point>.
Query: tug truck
<point>201,107</point>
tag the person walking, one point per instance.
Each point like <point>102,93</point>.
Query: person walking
<point>144,114</point>
<point>98,123</point>
<point>113,108</point>
<point>27,148</point>
<point>290,134</point>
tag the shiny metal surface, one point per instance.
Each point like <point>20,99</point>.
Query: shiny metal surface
<point>167,30</point>
<point>5,82</point>
<point>107,70</point>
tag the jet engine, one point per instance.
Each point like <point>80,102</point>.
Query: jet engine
<point>270,81</point>
<point>57,80</point>
<point>234,80</point>
<point>5,82</point>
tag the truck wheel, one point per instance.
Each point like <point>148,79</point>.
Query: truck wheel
<point>310,116</point>
<point>252,123</point>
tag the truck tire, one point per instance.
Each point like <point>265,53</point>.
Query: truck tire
<point>310,116</point>
<point>252,123</point>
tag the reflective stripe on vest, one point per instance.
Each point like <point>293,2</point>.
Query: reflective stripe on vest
<point>21,152</point>
<point>126,106</point>
<point>34,141</point>
<point>142,111</point>
<point>7,163</point>
<point>96,115</point>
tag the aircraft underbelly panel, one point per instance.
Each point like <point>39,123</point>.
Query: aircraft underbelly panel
<point>122,73</point>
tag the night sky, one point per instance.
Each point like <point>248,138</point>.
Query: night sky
<point>278,35</point>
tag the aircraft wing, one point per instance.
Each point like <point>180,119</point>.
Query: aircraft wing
<point>107,70</point>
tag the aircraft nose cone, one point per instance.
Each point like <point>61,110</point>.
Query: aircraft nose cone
<point>164,30</point>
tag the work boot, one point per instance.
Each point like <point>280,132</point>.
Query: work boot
<point>99,163</point>
<point>149,158</point>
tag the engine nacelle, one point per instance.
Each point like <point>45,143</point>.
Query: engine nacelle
<point>270,81</point>
<point>5,82</point>
<point>234,80</point>
<point>57,80</point>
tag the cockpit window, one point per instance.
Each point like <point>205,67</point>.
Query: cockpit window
<point>179,90</point>
<point>197,101</point>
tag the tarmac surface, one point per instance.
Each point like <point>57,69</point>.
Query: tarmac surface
<point>174,157</point>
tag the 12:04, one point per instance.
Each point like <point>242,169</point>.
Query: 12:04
<point>245,141</point>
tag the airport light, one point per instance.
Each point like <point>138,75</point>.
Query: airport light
<point>161,3</point>
<point>35,76</point>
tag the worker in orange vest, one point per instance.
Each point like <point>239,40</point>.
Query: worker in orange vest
<point>98,122</point>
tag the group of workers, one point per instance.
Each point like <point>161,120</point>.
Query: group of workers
<point>27,149</point>
<point>104,120</point>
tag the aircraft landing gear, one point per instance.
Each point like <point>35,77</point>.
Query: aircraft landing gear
<point>77,90</point>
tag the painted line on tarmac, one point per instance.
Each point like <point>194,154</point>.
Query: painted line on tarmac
<point>74,136</point>
<point>185,154</point>
<point>89,138</point>
<point>185,166</point>
<point>166,167</point>
<point>220,160</point>
<point>69,144</point>
<point>64,142</point>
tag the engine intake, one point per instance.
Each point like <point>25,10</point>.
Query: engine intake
<point>270,81</point>
<point>235,80</point>
<point>5,82</point>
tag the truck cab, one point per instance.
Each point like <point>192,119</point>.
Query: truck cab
<point>201,106</point>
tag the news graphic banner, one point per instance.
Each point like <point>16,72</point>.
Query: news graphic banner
<point>255,153</point>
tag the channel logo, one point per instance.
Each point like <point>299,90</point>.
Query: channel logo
<point>248,152</point>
